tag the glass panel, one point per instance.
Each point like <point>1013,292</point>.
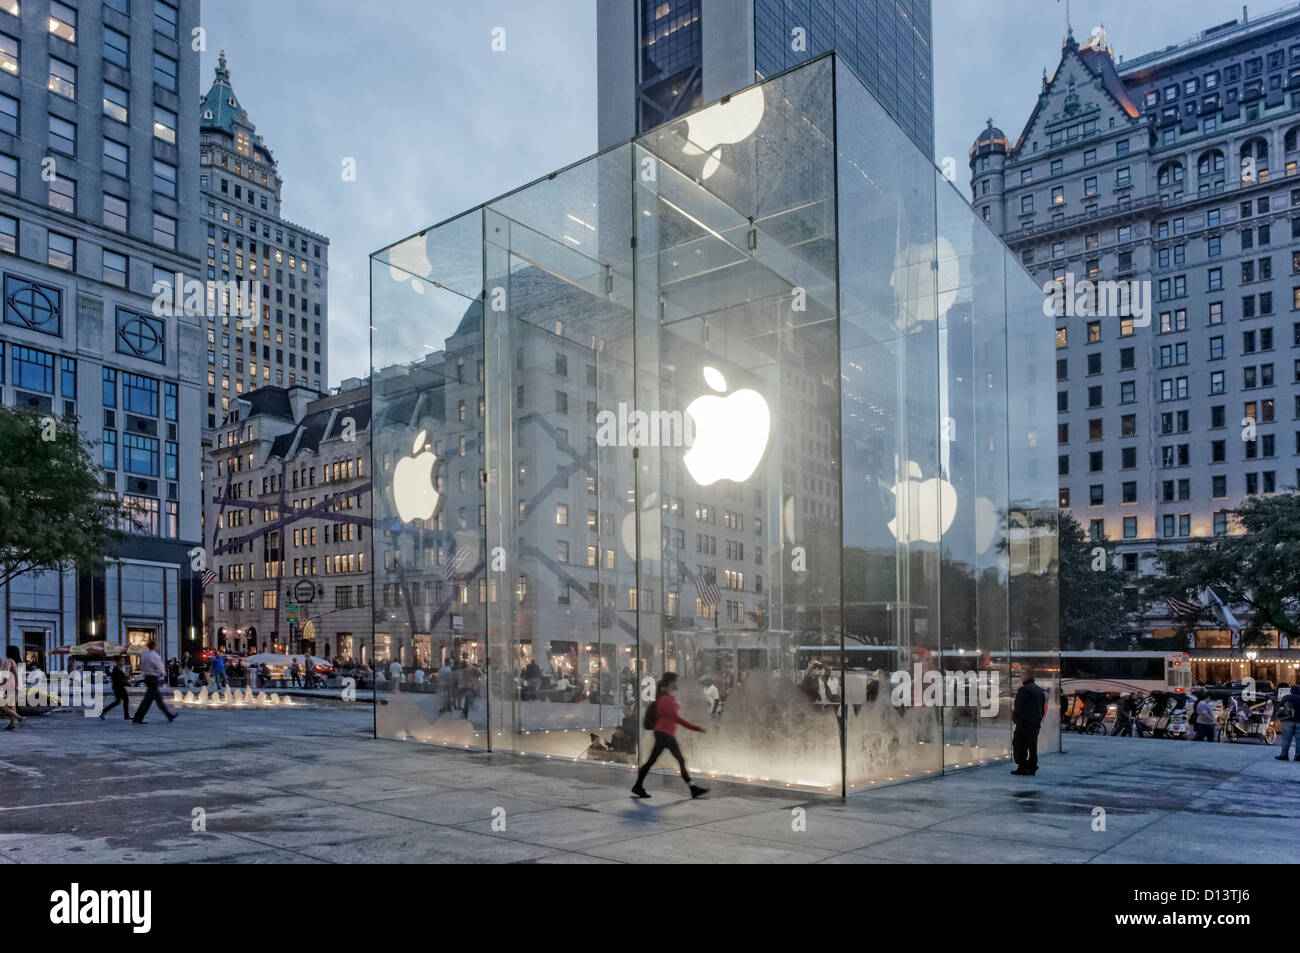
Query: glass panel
<point>429,544</point>
<point>1031,421</point>
<point>892,470</point>
<point>559,352</point>
<point>736,334</point>
<point>973,454</point>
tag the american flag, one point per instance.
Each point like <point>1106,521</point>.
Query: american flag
<point>706,586</point>
<point>1182,609</point>
<point>209,577</point>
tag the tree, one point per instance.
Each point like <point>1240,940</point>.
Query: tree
<point>1093,602</point>
<point>1258,567</point>
<point>54,514</point>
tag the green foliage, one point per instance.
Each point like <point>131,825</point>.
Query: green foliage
<point>1257,566</point>
<point>1093,603</point>
<point>53,512</point>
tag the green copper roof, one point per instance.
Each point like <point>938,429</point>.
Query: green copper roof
<point>220,110</point>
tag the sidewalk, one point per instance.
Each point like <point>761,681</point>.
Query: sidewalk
<point>310,785</point>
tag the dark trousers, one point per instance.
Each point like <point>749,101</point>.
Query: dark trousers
<point>1024,745</point>
<point>151,696</point>
<point>1204,732</point>
<point>663,742</point>
<point>119,698</point>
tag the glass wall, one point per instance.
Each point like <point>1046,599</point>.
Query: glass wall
<point>728,401</point>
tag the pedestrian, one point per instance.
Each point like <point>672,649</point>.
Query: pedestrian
<point>395,673</point>
<point>1027,716</point>
<point>446,687</point>
<point>469,681</point>
<point>117,676</point>
<point>219,672</point>
<point>10,669</point>
<point>1289,712</point>
<point>293,674</point>
<point>666,720</point>
<point>1203,719</point>
<point>151,667</point>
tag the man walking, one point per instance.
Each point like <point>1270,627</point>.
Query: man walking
<point>151,667</point>
<point>1203,720</point>
<point>118,678</point>
<point>219,672</point>
<point>1027,716</point>
<point>1289,712</point>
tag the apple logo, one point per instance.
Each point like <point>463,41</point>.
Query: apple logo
<point>914,501</point>
<point>722,124</point>
<point>730,433</point>
<point>413,478</point>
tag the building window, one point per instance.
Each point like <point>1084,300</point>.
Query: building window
<point>164,230</point>
<point>164,124</point>
<point>164,71</point>
<point>63,136</point>
<point>63,194</point>
<point>63,79</point>
<point>62,251</point>
<point>117,48</point>
<point>141,335</point>
<point>114,268</point>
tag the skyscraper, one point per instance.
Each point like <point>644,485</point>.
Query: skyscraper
<point>1177,170</point>
<point>281,339</point>
<point>98,202</point>
<point>658,59</point>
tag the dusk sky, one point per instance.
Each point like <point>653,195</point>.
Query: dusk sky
<point>436,121</point>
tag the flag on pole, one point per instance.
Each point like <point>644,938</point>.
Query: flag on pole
<point>1222,612</point>
<point>209,577</point>
<point>1182,609</point>
<point>706,588</point>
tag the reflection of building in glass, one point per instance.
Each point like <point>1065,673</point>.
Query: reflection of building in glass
<point>288,512</point>
<point>690,406</point>
<point>660,59</point>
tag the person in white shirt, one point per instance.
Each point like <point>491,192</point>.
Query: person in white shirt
<point>151,667</point>
<point>395,673</point>
<point>419,676</point>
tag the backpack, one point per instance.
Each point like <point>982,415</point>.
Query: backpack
<point>651,716</point>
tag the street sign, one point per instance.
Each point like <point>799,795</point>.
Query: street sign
<point>304,590</point>
<point>291,612</point>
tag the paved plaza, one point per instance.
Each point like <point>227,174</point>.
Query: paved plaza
<point>309,785</point>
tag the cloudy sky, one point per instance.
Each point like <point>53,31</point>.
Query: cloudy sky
<point>437,121</point>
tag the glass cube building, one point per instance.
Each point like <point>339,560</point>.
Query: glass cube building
<point>755,398</point>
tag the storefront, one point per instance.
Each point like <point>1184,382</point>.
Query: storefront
<point>684,402</point>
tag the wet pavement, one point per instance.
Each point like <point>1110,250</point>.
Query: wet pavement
<point>309,785</point>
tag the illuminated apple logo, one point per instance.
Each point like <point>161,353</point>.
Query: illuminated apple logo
<point>723,124</point>
<point>914,502</point>
<point>730,433</point>
<point>413,486</point>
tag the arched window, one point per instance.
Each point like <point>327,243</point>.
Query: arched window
<point>1210,163</point>
<point>1291,141</point>
<point>1171,173</point>
<point>1256,149</point>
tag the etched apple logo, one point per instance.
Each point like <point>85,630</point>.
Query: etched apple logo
<point>413,483</point>
<point>915,501</point>
<point>730,433</point>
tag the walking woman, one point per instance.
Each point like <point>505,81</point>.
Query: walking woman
<point>10,690</point>
<point>666,720</point>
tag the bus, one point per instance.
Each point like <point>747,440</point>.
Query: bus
<point>1117,672</point>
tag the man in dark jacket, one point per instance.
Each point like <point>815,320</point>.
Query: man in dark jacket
<point>117,676</point>
<point>1027,716</point>
<point>1289,713</point>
